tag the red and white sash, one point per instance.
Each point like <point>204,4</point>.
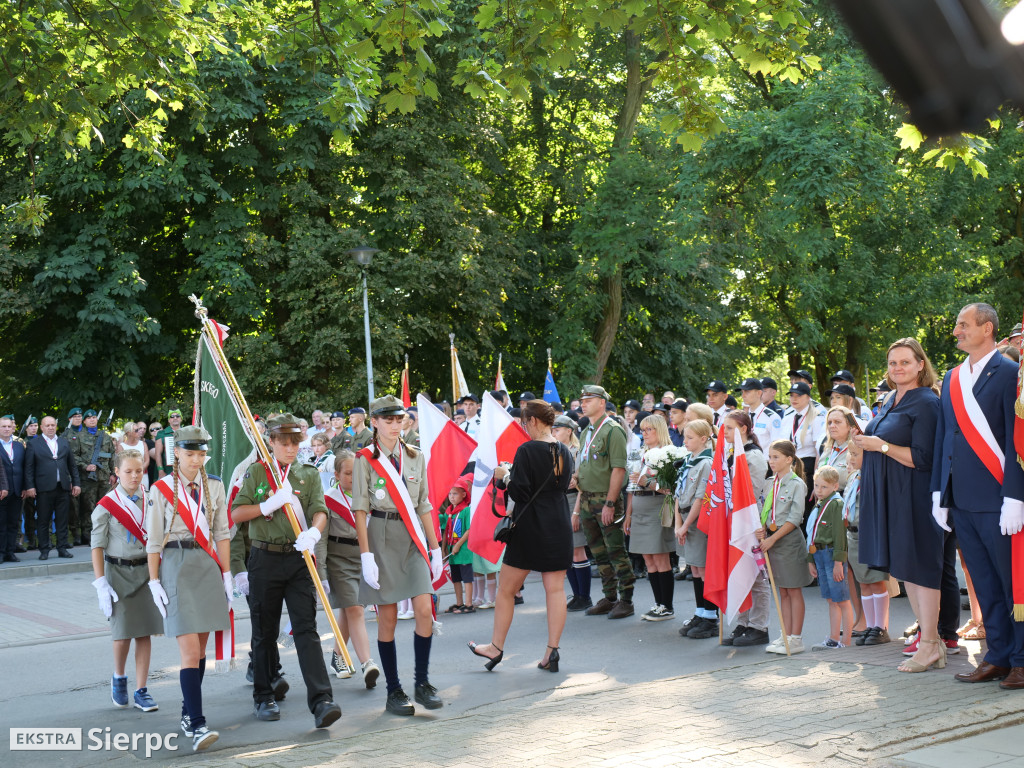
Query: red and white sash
<point>126,512</point>
<point>339,503</point>
<point>401,498</point>
<point>972,422</point>
<point>190,513</point>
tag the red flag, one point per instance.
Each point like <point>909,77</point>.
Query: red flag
<point>744,520</point>
<point>499,436</point>
<point>406,399</point>
<point>714,521</point>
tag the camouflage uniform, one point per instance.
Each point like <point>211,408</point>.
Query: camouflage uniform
<point>96,487</point>
<point>607,543</point>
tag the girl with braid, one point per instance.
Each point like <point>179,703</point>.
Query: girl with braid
<point>398,547</point>
<point>189,552</point>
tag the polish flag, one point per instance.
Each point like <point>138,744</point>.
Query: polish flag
<point>446,451</point>
<point>744,521</point>
<point>499,436</point>
<point>406,400</point>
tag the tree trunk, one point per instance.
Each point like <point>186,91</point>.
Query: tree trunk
<point>605,338</point>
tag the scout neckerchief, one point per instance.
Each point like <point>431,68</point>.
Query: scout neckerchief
<point>850,499</point>
<point>594,429</point>
<point>274,486</point>
<point>834,455</point>
<point>340,504</point>
<point>768,511</point>
<point>395,484</point>
<point>684,472</point>
<point>812,533</point>
<point>190,511</point>
<point>126,512</point>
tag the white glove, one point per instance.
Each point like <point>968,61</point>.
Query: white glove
<point>436,564</point>
<point>278,499</point>
<point>1011,518</point>
<point>242,582</point>
<point>229,586</point>
<point>306,540</point>
<point>159,596</point>
<point>326,585</point>
<point>941,514</point>
<point>370,573</point>
<point>106,594</point>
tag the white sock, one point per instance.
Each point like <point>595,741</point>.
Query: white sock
<point>492,590</point>
<point>882,610</point>
<point>868,601</point>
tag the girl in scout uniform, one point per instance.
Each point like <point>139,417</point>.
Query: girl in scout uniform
<point>782,540</point>
<point>189,567</point>
<point>693,480</point>
<point>343,571</point>
<point>119,564</point>
<point>394,526</point>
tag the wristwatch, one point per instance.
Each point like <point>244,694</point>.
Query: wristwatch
<point>885,447</point>
<point>609,502</point>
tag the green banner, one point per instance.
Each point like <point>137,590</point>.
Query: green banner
<point>229,440</point>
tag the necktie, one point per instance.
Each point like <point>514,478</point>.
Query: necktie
<point>394,462</point>
<point>716,419</point>
<point>796,424</point>
<point>193,490</point>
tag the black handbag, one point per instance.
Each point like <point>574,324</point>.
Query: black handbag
<point>507,523</point>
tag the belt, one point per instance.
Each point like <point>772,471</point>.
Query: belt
<point>186,544</point>
<point>343,540</point>
<point>386,515</point>
<point>123,561</point>
<point>643,493</point>
<point>268,547</point>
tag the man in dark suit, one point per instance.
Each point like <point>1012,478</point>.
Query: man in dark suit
<point>12,455</point>
<point>50,473</point>
<point>976,477</point>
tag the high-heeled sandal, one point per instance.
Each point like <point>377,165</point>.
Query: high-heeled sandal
<point>552,665</point>
<point>915,666</point>
<point>492,662</point>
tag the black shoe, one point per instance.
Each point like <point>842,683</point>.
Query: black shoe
<point>399,704</point>
<point>684,575</point>
<point>65,553</point>
<point>325,713</point>
<point>580,604</point>
<point>44,555</point>
<point>267,710</point>
<point>248,674</point>
<point>280,687</point>
<point>689,624</point>
<point>519,600</point>
<point>965,605</point>
<point>752,637</point>
<point>736,633</point>
<point>11,559</point>
<point>862,639</point>
<point>20,550</point>
<point>492,662</point>
<point>706,629</point>
<point>553,659</point>
<point>878,636</point>
<point>426,695</point>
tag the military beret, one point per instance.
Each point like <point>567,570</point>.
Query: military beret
<point>339,415</point>
<point>74,412</point>
<point>90,413</point>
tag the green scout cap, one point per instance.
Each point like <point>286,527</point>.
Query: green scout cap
<point>593,390</point>
<point>284,424</point>
<point>74,412</point>
<point>192,439</point>
<point>389,405</point>
<point>90,413</point>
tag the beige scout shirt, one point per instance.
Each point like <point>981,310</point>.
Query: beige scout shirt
<point>159,512</point>
<point>112,537</point>
<point>367,484</point>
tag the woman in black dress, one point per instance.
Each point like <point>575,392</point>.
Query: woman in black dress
<point>542,537</point>
<point>897,531</point>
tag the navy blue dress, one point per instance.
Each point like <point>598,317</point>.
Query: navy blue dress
<point>897,531</point>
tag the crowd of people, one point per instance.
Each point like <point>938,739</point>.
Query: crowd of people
<point>858,498</point>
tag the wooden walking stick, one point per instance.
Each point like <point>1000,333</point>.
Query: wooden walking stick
<point>235,393</point>
<point>778,605</point>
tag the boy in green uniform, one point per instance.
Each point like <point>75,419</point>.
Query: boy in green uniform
<point>94,453</point>
<point>600,474</point>
<point>165,452</point>
<point>277,571</point>
<point>361,435</point>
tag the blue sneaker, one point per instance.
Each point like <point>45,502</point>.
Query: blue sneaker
<point>119,691</point>
<point>144,701</point>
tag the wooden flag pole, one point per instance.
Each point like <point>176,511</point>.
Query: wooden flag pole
<point>235,393</point>
<point>549,360</point>
<point>778,605</point>
<point>455,378</point>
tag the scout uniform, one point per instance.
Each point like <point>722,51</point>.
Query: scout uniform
<point>827,534</point>
<point>784,503</point>
<point>93,446</point>
<point>602,449</point>
<point>397,545</point>
<point>278,575</point>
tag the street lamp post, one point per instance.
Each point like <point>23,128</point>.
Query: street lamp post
<point>363,256</point>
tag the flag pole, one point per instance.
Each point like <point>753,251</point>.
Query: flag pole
<point>235,393</point>
<point>455,385</point>
<point>549,360</point>
<point>778,605</point>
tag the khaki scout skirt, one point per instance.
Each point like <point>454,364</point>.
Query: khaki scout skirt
<point>195,593</point>
<point>789,561</point>
<point>647,536</point>
<point>344,572</point>
<point>134,614</point>
<point>403,571</point>
<point>862,573</point>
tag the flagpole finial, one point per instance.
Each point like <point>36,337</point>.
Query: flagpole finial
<point>451,337</point>
<point>201,312</point>
<point>406,359</point>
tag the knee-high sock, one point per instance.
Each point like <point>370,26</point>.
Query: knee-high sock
<point>421,649</point>
<point>573,582</point>
<point>882,610</point>
<point>868,602</point>
<point>492,590</point>
<point>698,595</point>
<point>202,669</point>
<point>478,587</point>
<point>655,587</point>
<point>389,663</point>
<point>582,568</point>
<point>192,693</point>
<point>668,588</point>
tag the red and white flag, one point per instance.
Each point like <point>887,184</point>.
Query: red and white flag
<point>744,521</point>
<point>498,438</point>
<point>446,451</point>
<point>499,381</point>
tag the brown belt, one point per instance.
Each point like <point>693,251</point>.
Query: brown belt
<point>268,547</point>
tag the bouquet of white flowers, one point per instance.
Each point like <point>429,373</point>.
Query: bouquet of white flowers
<point>661,464</point>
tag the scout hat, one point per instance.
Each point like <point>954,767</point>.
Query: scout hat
<point>748,384</point>
<point>389,405</point>
<point>593,390</point>
<point>800,388</point>
<point>192,439</point>
<point>90,413</point>
<point>74,412</point>
<point>283,424</point>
